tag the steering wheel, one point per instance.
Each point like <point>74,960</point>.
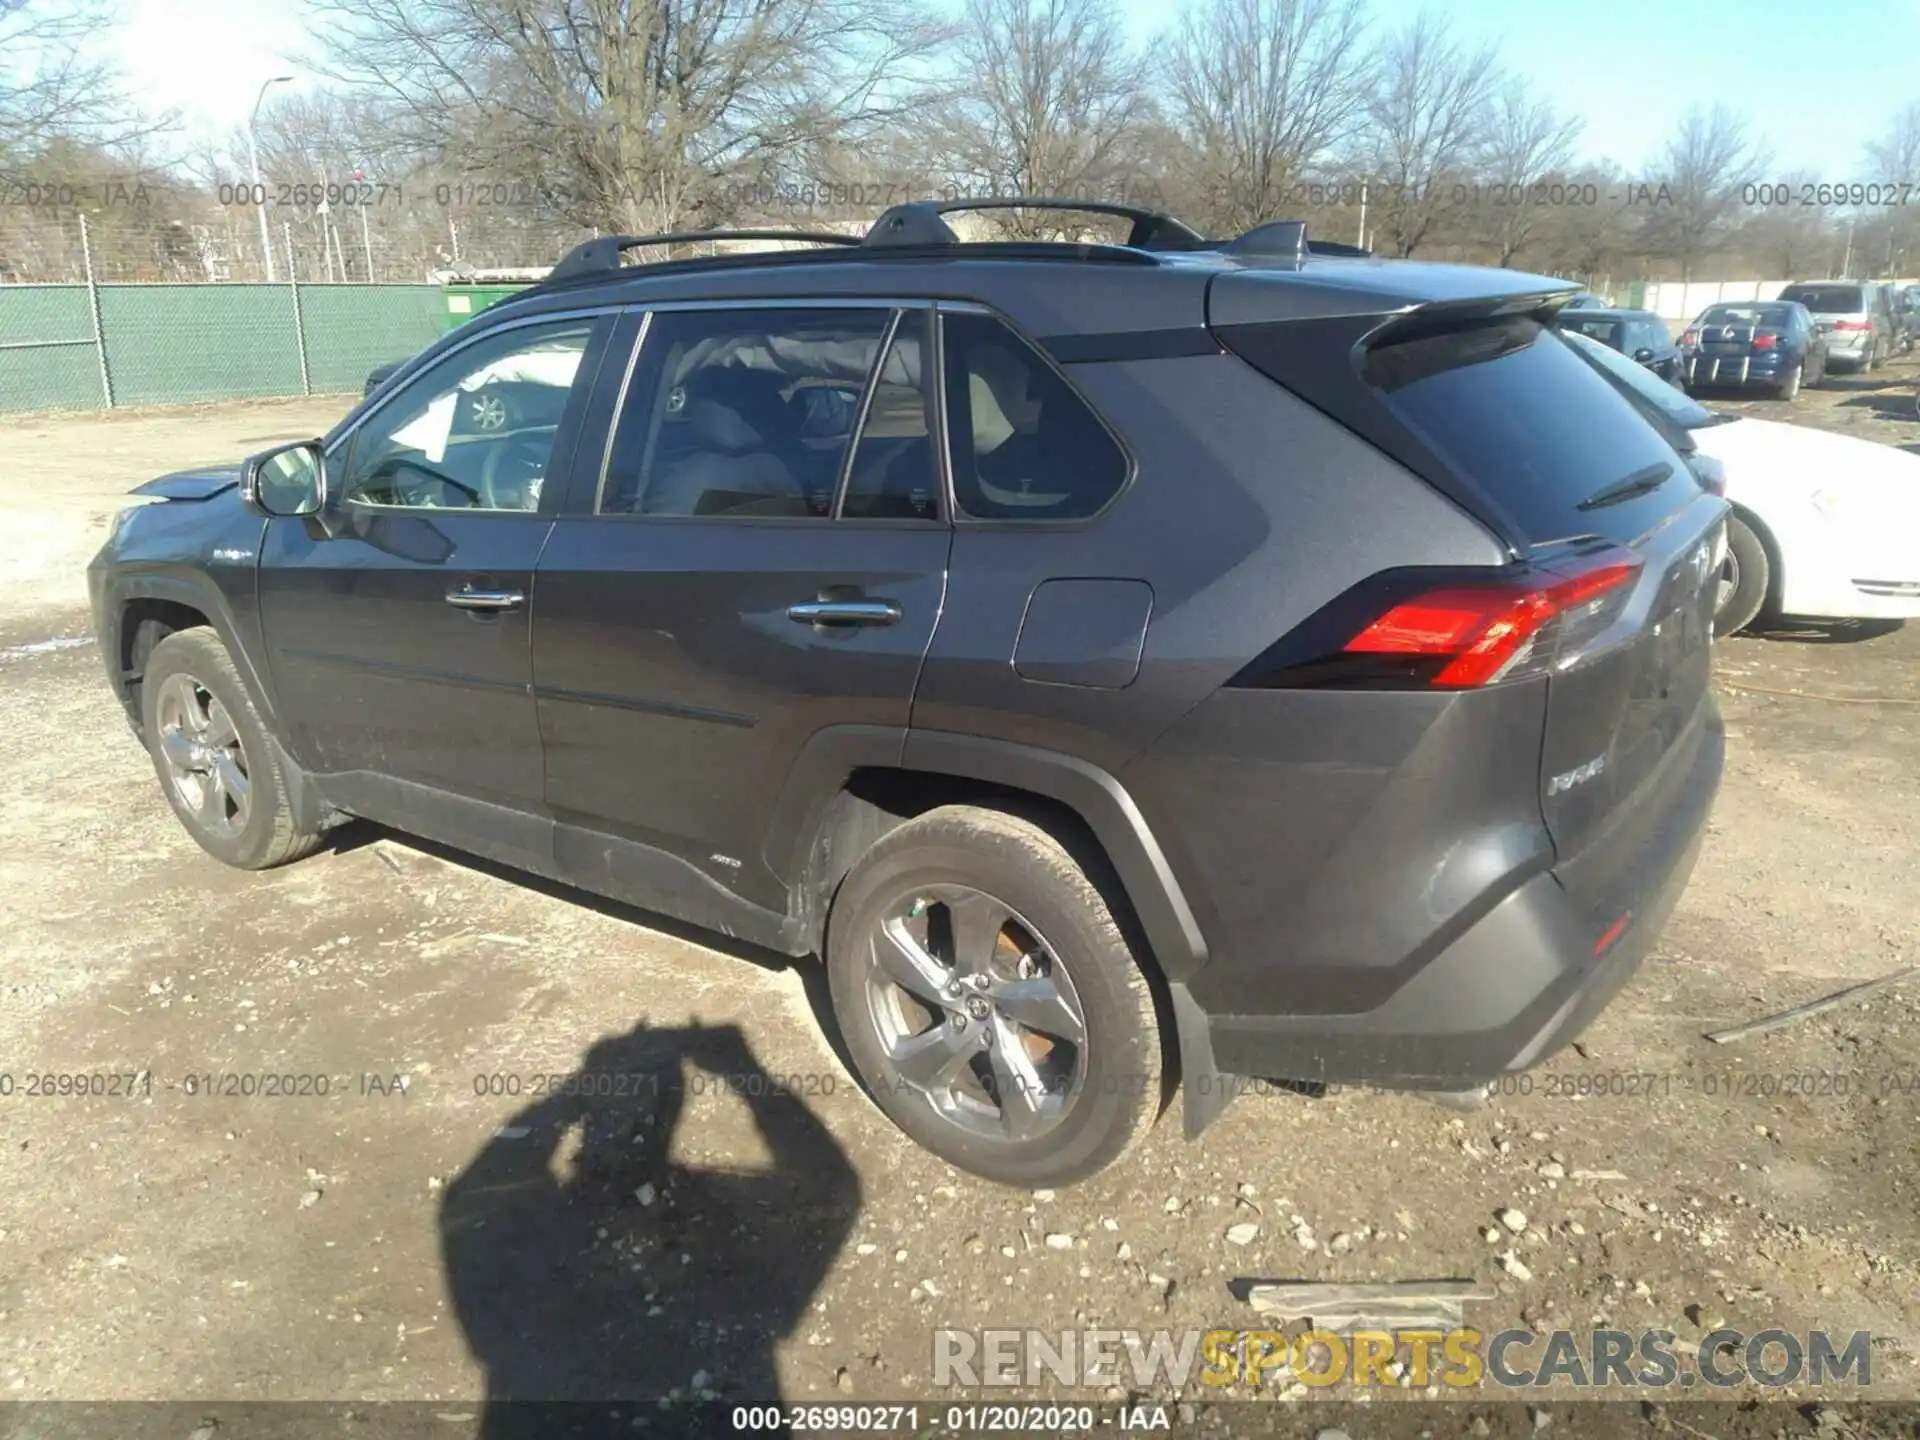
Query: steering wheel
<point>514,470</point>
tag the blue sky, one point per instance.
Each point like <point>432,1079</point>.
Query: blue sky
<point>1816,82</point>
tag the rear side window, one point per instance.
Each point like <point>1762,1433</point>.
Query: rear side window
<point>1827,299</point>
<point>1509,406</point>
<point>1024,445</point>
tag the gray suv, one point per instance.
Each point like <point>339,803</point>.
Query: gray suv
<point>1856,316</point>
<point>1176,661</point>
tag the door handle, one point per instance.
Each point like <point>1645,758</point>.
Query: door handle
<point>492,601</point>
<point>845,612</point>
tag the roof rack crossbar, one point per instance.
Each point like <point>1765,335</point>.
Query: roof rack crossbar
<point>919,222</point>
<point>601,255</point>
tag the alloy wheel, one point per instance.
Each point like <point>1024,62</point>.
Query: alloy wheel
<point>205,760</point>
<point>489,412</point>
<point>1728,584</point>
<point>976,1013</point>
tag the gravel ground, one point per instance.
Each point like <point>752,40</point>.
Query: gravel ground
<point>433,1228</point>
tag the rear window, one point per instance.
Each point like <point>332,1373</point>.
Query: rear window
<point>1607,332</point>
<point>1507,405</point>
<point>1775,316</point>
<point>1827,299</point>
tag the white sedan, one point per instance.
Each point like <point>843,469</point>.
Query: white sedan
<point>1824,526</point>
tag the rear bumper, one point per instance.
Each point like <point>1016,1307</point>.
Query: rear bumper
<point>1516,986</point>
<point>1746,372</point>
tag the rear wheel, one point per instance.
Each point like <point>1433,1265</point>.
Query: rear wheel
<point>1790,387</point>
<point>990,1002</point>
<point>1744,577</point>
<point>218,767</point>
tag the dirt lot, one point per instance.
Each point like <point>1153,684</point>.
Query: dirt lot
<point>430,1229</point>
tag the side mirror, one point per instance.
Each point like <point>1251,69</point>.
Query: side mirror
<point>285,481</point>
<point>1643,355</point>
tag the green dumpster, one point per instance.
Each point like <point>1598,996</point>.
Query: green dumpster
<point>464,300</point>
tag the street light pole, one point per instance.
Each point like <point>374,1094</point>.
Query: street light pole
<point>259,187</point>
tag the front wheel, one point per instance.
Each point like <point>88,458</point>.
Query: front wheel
<point>990,1001</point>
<point>1744,577</point>
<point>218,767</point>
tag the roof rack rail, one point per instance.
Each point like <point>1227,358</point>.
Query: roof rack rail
<point>601,255</point>
<point>919,222</point>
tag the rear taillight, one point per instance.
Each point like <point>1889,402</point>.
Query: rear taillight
<point>1416,630</point>
<point>1765,341</point>
<point>1853,324</point>
<point>1690,337</point>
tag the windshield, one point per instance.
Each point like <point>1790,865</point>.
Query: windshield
<point>1827,299</point>
<point>1643,384</point>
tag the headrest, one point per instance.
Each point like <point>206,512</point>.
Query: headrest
<point>735,410</point>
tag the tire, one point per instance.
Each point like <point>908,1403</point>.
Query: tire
<point>1746,578</point>
<point>1790,387</point>
<point>951,873</point>
<point>189,685</point>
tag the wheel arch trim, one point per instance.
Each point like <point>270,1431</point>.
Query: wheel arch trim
<point>821,770</point>
<point>195,593</point>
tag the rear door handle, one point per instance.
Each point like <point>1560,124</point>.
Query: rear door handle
<point>845,612</point>
<point>492,601</point>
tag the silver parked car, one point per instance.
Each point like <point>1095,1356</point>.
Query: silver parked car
<point>1856,316</point>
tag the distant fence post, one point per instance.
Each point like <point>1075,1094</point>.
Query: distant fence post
<point>93,309</point>
<point>299,325</point>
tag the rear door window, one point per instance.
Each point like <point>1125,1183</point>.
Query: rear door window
<point>1508,406</point>
<point>1024,445</point>
<point>742,412</point>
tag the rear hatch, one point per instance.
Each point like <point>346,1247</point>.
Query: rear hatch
<point>1830,304</point>
<point>1489,405</point>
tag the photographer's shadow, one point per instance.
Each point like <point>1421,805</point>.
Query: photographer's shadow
<point>589,1266</point>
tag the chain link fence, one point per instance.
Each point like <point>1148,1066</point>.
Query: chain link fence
<point>79,340</point>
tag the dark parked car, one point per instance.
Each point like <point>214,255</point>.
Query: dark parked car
<point>1108,679</point>
<point>1640,335</point>
<point>1855,317</point>
<point>1770,345</point>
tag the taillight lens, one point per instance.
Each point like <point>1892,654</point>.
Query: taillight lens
<point>1852,325</point>
<point>1765,342</point>
<point>1690,337</point>
<point>1420,630</point>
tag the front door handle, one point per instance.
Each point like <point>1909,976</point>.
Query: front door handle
<point>845,612</point>
<point>491,601</point>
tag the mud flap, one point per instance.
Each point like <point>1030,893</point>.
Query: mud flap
<point>1204,1090</point>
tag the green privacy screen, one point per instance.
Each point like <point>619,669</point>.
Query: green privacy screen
<point>172,344</point>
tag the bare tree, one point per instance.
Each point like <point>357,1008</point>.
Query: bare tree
<point>622,115</point>
<point>1696,205</point>
<point>1592,243</point>
<point>1525,155</point>
<point>1896,154</point>
<point>1045,99</point>
<point>1788,241</point>
<point>1426,120</point>
<point>1263,91</point>
<point>1896,157</point>
<point>53,87</point>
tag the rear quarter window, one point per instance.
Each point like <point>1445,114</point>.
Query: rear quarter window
<point>1508,406</point>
